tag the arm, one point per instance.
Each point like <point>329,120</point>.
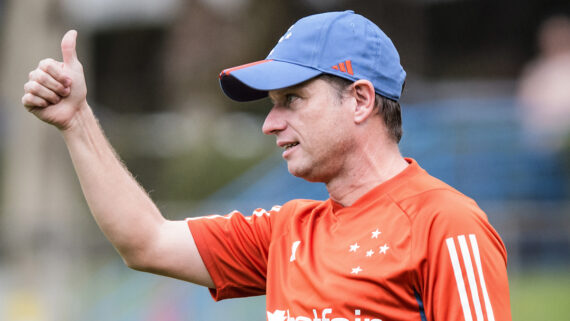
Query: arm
<point>56,93</point>
<point>465,271</point>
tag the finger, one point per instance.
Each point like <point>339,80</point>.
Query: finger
<point>32,87</point>
<point>68,47</point>
<point>31,101</point>
<point>54,70</point>
<point>45,79</point>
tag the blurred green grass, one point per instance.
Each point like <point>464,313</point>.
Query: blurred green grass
<point>540,295</point>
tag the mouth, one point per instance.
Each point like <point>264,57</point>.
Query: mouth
<point>290,145</point>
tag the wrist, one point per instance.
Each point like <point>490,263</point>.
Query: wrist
<point>81,121</point>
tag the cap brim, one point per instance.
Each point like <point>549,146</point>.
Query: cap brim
<point>254,80</point>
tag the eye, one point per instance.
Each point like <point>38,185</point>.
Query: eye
<point>290,98</point>
<point>285,100</point>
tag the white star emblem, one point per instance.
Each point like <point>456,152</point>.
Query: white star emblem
<point>369,253</point>
<point>375,234</point>
<point>354,247</point>
<point>356,270</point>
<point>384,248</point>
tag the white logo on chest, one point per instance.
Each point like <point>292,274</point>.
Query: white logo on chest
<point>294,248</point>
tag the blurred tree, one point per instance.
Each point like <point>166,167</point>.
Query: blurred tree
<point>40,222</point>
<point>204,40</point>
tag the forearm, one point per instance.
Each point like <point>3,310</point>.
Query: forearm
<point>122,209</point>
<point>56,94</point>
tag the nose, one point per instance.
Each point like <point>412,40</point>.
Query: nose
<point>274,121</point>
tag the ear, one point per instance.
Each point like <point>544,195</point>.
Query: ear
<point>364,94</point>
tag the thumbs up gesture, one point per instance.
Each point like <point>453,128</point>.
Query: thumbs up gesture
<point>56,91</point>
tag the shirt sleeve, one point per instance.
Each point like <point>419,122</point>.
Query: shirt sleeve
<point>464,270</point>
<point>234,249</point>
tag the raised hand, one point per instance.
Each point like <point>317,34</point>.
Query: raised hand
<point>56,91</point>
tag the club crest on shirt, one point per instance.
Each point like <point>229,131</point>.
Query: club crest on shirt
<point>363,250</point>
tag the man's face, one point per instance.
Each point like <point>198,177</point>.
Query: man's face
<point>313,126</point>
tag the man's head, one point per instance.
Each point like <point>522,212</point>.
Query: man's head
<point>343,44</point>
<point>334,80</point>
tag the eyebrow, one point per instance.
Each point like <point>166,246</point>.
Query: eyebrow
<point>276,96</point>
<point>272,96</point>
<point>279,93</point>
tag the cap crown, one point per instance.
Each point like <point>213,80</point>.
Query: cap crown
<point>346,45</point>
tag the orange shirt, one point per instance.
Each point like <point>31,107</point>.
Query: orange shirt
<point>413,248</point>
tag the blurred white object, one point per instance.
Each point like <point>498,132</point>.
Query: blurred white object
<point>544,91</point>
<point>102,14</point>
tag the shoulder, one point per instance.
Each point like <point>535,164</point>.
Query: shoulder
<point>427,200</point>
<point>298,208</point>
<point>448,210</point>
<point>439,214</point>
<point>426,193</point>
<point>299,205</point>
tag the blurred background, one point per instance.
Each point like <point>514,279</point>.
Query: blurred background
<point>486,108</point>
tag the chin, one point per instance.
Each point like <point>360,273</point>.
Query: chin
<point>306,173</point>
<point>298,171</point>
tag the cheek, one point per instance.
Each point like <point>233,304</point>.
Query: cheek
<point>341,127</point>
<point>329,127</point>
<point>336,138</point>
<point>344,145</point>
<point>345,140</point>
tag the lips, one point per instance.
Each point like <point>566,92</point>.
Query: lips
<point>287,146</point>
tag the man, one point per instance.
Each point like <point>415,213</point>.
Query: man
<point>391,243</point>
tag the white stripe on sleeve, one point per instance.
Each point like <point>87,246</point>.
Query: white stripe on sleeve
<point>470,276</point>
<point>477,257</point>
<point>459,279</point>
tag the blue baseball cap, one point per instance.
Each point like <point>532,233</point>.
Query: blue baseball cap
<point>342,44</point>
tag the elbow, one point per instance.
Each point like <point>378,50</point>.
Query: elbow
<point>135,260</point>
<point>134,264</point>
<point>140,254</point>
<point>142,262</point>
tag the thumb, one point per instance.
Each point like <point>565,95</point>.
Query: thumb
<point>68,47</point>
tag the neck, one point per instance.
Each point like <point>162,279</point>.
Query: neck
<point>369,170</point>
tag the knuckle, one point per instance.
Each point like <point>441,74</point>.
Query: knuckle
<point>28,87</point>
<point>31,87</point>
<point>41,77</point>
<point>40,102</point>
<point>45,63</point>
<point>31,101</point>
<point>42,64</point>
<point>34,74</point>
<point>53,97</point>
